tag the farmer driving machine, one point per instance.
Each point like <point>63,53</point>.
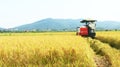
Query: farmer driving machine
<point>88,30</point>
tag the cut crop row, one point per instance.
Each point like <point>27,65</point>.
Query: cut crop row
<point>112,41</point>
<point>112,55</point>
<point>111,37</point>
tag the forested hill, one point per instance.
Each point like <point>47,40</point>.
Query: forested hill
<point>65,25</point>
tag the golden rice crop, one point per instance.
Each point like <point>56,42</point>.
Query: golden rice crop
<point>45,50</point>
<point>111,37</point>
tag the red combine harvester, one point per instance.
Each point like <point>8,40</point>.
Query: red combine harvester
<point>88,30</point>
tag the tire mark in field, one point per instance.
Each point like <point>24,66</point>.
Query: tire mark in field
<point>100,60</point>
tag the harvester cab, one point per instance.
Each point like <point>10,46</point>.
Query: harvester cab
<point>88,30</point>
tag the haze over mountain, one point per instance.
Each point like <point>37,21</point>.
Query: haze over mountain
<point>51,24</point>
<point>108,25</point>
<point>64,25</point>
<point>1,28</point>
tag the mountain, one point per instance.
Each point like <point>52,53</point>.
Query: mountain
<point>1,28</point>
<point>51,24</point>
<point>65,25</point>
<point>108,25</point>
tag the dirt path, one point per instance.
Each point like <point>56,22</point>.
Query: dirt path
<point>102,61</point>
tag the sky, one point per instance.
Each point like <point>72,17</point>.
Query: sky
<point>18,12</point>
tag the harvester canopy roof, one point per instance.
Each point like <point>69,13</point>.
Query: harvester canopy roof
<point>84,21</point>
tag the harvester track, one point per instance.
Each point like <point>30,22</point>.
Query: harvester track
<point>100,58</point>
<point>101,61</point>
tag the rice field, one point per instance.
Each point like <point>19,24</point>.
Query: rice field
<point>111,37</point>
<point>45,50</point>
<point>59,49</point>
